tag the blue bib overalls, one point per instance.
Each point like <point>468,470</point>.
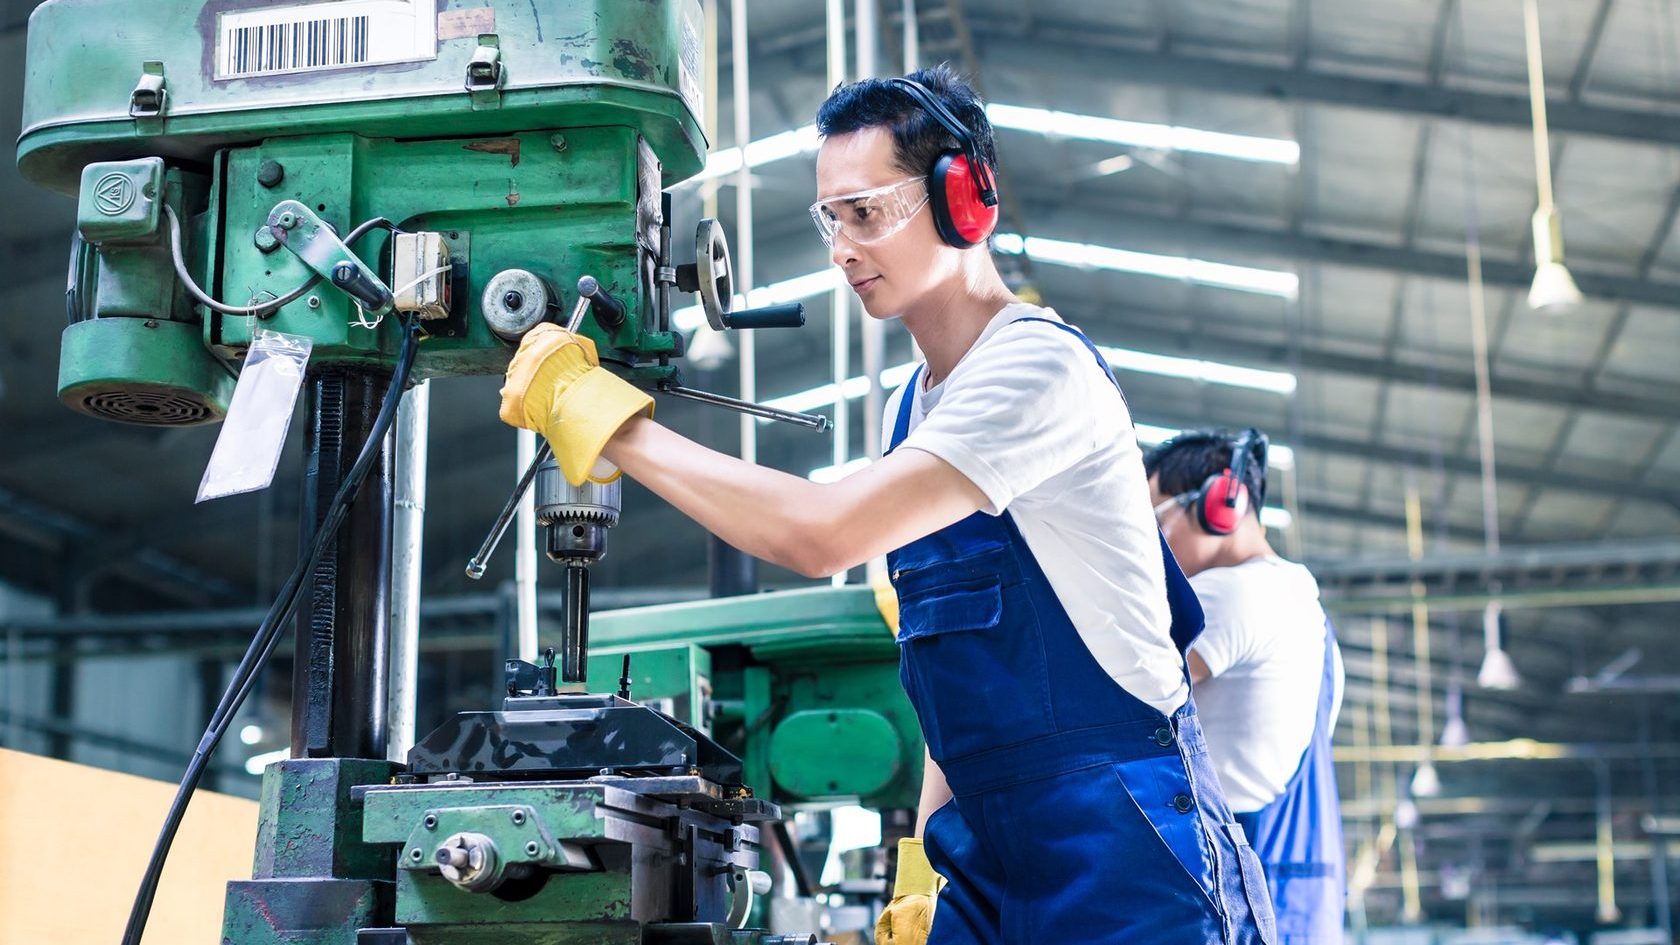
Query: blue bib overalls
<point>1299,835</point>
<point>1081,813</point>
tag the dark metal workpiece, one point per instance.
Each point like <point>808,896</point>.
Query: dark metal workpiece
<point>569,735</point>
<point>341,673</point>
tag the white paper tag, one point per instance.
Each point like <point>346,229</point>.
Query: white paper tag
<point>248,448</point>
<point>688,71</point>
<point>339,34</point>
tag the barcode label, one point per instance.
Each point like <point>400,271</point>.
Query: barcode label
<point>288,47</point>
<point>345,34</point>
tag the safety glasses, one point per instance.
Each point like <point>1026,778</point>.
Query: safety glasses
<point>870,216</point>
<point>1176,502</point>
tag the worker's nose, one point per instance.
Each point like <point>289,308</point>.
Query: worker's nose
<point>843,250</point>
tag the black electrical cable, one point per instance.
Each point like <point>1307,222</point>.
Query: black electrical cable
<point>268,636</point>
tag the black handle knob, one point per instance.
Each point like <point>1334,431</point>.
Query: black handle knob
<point>360,286</point>
<point>609,312</point>
<point>790,315</point>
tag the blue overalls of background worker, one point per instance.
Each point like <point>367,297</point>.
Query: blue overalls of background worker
<point>1044,624</point>
<point>1266,671</point>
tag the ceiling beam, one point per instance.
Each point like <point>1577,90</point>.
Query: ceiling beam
<point>1060,48</point>
<point>1171,333</point>
<point>1140,225</point>
<point>1237,415</point>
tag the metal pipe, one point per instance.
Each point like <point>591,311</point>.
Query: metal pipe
<point>745,349</point>
<point>407,534</point>
<point>912,36</point>
<point>1513,600</point>
<point>1537,104</point>
<point>1606,852</point>
<point>525,553</point>
<point>871,329</point>
<point>1420,630</point>
<point>1515,749</point>
<point>840,310</point>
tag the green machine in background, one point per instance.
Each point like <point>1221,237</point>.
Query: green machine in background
<point>804,682</point>
<point>362,172</point>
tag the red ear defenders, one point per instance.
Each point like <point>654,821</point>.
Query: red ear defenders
<point>962,192</point>
<point>1223,499</point>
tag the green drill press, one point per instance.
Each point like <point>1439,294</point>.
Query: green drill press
<point>362,173</point>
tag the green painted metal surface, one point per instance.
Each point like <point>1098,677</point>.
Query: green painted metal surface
<point>608,864</point>
<point>142,367</point>
<point>676,680</point>
<point>815,753</point>
<point>313,879</point>
<point>558,204</point>
<point>534,134</point>
<point>780,658</point>
<point>565,63</point>
<point>120,200</point>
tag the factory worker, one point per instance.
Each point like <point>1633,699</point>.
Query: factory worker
<point>1266,672</point>
<point>1069,794</point>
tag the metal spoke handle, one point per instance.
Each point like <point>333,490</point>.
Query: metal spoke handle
<point>475,567</point>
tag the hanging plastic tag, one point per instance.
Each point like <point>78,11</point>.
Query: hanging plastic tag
<point>248,449</point>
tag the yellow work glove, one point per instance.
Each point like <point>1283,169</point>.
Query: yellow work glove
<point>909,916</point>
<point>557,387</point>
<point>886,601</point>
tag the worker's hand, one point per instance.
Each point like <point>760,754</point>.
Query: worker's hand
<point>557,387</point>
<point>886,601</point>
<point>909,916</point>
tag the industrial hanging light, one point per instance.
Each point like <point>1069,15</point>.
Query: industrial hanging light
<point>1497,672</point>
<point>1455,734</point>
<point>1405,814</point>
<point>1425,781</point>
<point>1554,290</point>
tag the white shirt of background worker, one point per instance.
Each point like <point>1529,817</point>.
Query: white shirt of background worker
<point>1258,664</point>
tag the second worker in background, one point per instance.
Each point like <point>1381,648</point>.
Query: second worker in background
<point>1266,671</point>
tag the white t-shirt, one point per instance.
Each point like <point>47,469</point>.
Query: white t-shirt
<point>1264,648</point>
<point>1036,424</point>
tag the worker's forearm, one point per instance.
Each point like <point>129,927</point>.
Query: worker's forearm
<point>766,513</point>
<point>935,792</point>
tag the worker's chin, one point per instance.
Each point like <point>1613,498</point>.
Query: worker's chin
<point>882,310</point>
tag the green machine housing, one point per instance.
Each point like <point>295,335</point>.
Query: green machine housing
<point>532,136</point>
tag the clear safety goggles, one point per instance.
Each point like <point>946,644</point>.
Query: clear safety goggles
<point>870,216</point>
<point>1176,502</point>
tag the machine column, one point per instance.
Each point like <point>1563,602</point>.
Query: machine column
<point>340,678</point>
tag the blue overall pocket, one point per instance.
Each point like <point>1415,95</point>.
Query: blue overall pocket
<point>976,660</point>
<point>1160,790</point>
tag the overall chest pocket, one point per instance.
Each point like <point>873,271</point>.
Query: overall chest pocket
<point>975,667</point>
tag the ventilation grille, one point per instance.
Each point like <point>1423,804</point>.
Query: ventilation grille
<point>158,407</point>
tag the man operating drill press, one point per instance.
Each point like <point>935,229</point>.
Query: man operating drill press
<point>1069,794</point>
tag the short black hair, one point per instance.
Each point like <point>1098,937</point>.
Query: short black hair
<point>1186,461</point>
<point>917,138</point>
